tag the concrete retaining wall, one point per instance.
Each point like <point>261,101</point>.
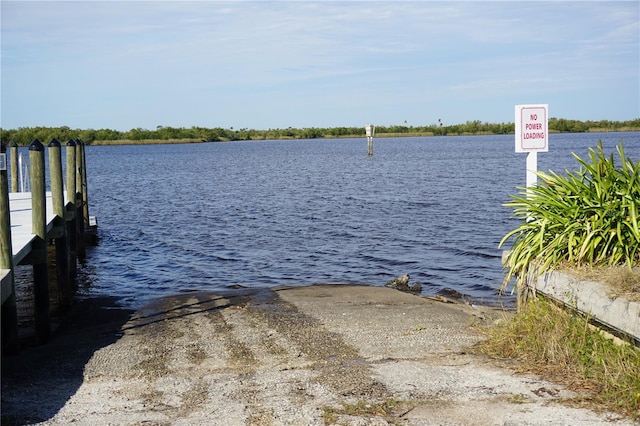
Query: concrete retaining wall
<point>590,297</point>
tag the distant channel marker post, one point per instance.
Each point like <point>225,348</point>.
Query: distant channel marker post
<point>370,130</point>
<point>532,135</point>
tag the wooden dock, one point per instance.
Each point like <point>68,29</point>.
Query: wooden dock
<point>31,222</point>
<point>22,236</point>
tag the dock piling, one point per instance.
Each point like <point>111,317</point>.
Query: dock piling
<point>39,246</point>
<point>14,166</point>
<point>80,219</point>
<point>72,214</point>
<point>85,188</point>
<point>57,193</point>
<point>9,314</point>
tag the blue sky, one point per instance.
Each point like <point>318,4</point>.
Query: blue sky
<point>272,64</point>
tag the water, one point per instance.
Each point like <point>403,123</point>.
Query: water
<point>212,216</point>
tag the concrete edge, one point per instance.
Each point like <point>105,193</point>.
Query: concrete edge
<point>590,297</point>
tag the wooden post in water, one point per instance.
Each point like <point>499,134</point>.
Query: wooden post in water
<point>39,246</point>
<point>85,187</point>
<point>72,214</point>
<point>9,314</point>
<point>14,167</point>
<point>80,220</point>
<point>57,192</point>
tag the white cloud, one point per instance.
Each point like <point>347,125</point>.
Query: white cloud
<point>252,51</point>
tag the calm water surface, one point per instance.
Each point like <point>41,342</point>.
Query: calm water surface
<point>209,216</point>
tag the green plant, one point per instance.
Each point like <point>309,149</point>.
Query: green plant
<point>389,410</point>
<point>549,340</point>
<point>589,216</point>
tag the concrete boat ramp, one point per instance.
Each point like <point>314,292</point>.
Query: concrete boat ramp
<point>315,355</point>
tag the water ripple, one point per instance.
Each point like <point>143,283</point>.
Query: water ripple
<point>208,216</point>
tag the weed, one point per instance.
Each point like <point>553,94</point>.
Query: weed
<point>564,348</point>
<point>391,410</point>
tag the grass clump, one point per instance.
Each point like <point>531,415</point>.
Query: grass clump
<point>590,216</point>
<point>391,410</point>
<point>563,347</point>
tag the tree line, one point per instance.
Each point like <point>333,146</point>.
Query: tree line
<point>25,135</point>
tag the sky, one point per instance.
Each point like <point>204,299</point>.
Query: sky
<point>278,64</point>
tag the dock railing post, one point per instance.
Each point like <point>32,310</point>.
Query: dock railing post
<point>57,193</point>
<point>9,314</point>
<point>14,166</point>
<point>42,314</point>
<point>72,214</point>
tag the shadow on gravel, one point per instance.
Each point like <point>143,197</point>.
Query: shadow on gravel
<point>39,380</point>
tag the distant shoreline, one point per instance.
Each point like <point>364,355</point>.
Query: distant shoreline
<point>23,136</point>
<point>355,136</point>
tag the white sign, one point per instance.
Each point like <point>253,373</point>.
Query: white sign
<point>532,128</point>
<point>3,161</point>
<point>370,129</point>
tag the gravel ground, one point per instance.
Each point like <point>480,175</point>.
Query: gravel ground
<point>316,355</point>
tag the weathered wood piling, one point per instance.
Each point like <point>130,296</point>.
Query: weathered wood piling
<point>38,255</point>
<point>71,210</point>
<point>14,166</point>
<point>63,222</point>
<point>9,313</point>
<point>60,237</point>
